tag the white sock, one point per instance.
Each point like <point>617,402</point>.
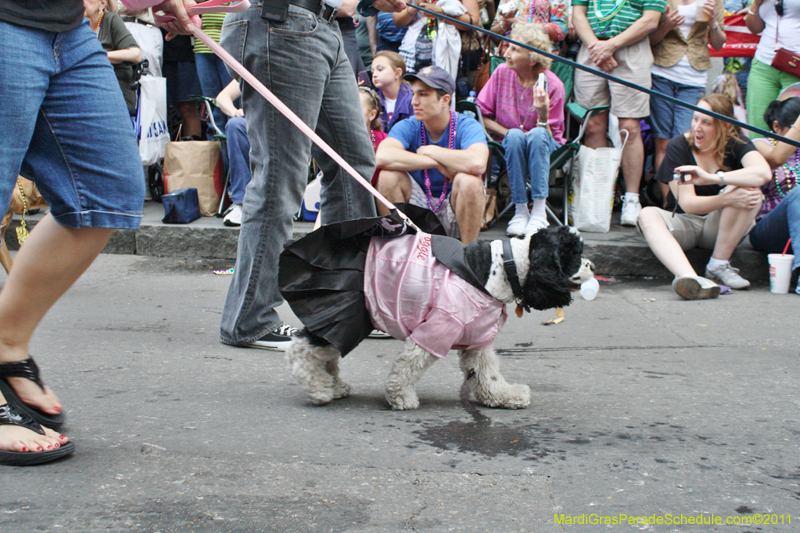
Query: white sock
<point>632,196</point>
<point>716,263</point>
<point>522,209</point>
<point>538,210</point>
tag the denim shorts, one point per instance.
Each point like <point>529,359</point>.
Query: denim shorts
<point>182,81</point>
<point>67,128</point>
<point>670,120</point>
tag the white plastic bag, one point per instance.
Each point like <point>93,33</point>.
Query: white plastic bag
<point>153,119</point>
<point>591,195</point>
<point>311,199</point>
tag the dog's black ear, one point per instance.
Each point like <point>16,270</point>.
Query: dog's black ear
<point>547,285</point>
<point>570,249</point>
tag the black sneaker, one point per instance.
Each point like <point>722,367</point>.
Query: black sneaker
<point>277,340</point>
<point>794,281</point>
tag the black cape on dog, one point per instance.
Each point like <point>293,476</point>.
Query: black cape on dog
<point>322,275</point>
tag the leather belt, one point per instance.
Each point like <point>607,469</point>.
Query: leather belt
<point>319,8</point>
<point>137,20</point>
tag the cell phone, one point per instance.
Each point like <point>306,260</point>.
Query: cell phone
<point>677,176</point>
<point>364,79</point>
<point>542,81</point>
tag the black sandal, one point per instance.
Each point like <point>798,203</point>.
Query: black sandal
<point>10,415</point>
<point>27,369</point>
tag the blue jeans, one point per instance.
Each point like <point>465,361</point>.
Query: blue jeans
<point>303,62</point>
<point>528,161</point>
<point>238,158</point>
<point>670,120</point>
<point>213,77</point>
<point>67,128</point>
<point>772,231</point>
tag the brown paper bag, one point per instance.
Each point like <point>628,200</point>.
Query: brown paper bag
<point>190,164</point>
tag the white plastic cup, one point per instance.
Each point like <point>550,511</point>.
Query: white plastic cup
<point>589,289</point>
<point>701,14</point>
<point>780,272</point>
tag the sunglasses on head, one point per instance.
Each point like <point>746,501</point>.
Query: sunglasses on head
<point>373,95</point>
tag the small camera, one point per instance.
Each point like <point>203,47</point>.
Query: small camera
<point>677,176</point>
<point>507,8</point>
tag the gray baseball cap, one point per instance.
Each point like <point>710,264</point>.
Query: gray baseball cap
<point>434,77</point>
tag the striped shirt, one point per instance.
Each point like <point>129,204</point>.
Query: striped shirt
<point>609,18</point>
<point>212,25</point>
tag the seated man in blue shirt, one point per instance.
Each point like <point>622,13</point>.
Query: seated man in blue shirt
<point>436,159</point>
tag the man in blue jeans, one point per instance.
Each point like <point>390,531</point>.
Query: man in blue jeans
<point>238,151</point>
<point>303,62</point>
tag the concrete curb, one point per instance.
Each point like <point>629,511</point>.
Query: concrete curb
<point>621,252</point>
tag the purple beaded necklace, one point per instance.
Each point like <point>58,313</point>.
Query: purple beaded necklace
<point>451,144</point>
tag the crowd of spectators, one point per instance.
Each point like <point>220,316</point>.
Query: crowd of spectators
<point>658,44</point>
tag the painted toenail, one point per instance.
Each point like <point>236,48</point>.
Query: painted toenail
<point>62,437</point>
<point>38,448</point>
<point>24,448</point>
<point>49,446</point>
<point>57,409</point>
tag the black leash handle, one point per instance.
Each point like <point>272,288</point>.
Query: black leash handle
<point>609,77</point>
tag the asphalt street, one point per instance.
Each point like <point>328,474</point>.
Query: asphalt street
<point>643,405</point>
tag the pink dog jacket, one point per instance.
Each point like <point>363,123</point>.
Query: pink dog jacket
<point>410,294</point>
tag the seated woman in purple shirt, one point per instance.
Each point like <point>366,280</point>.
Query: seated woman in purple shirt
<point>529,120</point>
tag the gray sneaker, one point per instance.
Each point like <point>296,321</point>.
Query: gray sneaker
<point>727,275</point>
<point>695,288</point>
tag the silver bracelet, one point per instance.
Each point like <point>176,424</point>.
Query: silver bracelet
<point>542,124</point>
<point>751,13</point>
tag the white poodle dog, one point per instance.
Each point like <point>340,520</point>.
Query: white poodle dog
<point>428,289</point>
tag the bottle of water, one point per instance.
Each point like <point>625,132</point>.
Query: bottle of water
<point>469,112</point>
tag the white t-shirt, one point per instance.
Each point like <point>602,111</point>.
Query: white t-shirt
<point>788,31</point>
<point>390,106</point>
<point>683,72</point>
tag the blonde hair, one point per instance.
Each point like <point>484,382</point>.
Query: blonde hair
<point>726,84</point>
<point>374,103</point>
<point>533,35</point>
<point>725,131</point>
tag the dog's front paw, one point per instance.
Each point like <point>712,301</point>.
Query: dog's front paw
<point>340,390</point>
<point>402,400</point>
<point>506,397</point>
<point>321,397</point>
<point>519,397</point>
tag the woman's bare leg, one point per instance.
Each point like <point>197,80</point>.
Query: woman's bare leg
<point>663,244</point>
<point>51,260</point>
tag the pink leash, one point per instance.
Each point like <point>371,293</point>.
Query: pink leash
<point>214,6</point>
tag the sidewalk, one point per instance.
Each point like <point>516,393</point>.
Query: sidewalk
<point>620,252</point>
